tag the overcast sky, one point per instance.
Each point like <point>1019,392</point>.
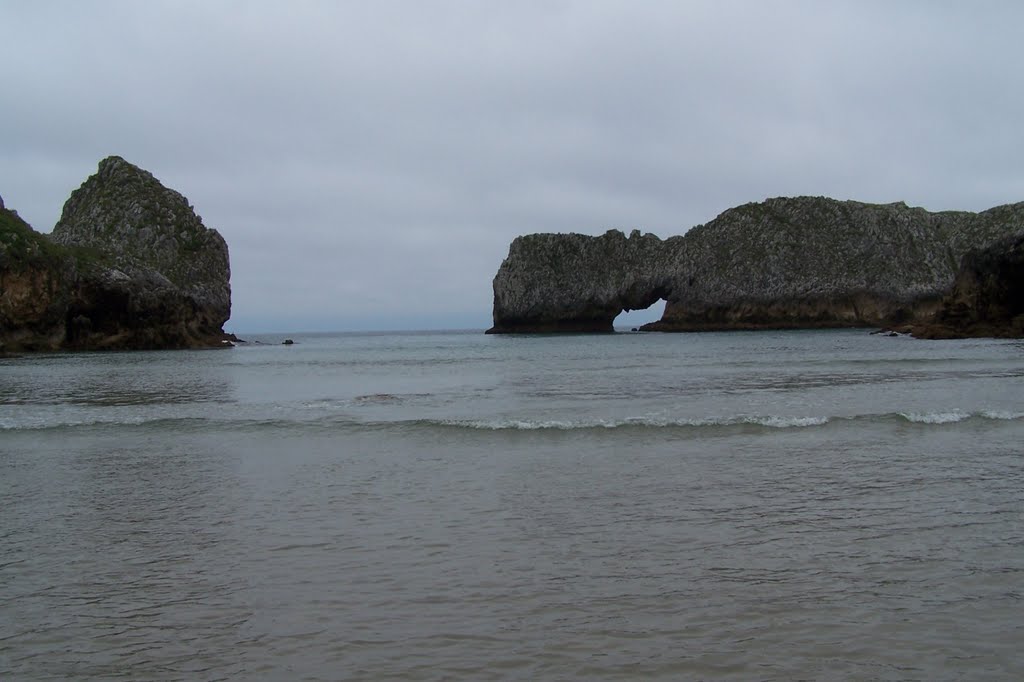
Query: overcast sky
<point>369,162</point>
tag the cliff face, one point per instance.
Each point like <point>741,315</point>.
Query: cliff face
<point>164,277</point>
<point>810,262</point>
<point>788,262</point>
<point>130,265</point>
<point>987,298</point>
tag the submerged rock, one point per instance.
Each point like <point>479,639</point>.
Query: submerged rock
<point>787,262</point>
<point>130,265</point>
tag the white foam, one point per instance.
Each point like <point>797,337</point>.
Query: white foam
<point>512,424</point>
<point>788,422</point>
<point>1002,415</point>
<point>661,422</point>
<point>935,417</point>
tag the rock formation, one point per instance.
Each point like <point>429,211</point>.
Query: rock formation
<point>576,283</point>
<point>787,262</point>
<point>130,265</point>
<point>987,298</point>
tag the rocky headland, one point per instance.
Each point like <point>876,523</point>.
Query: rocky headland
<point>783,263</point>
<point>129,265</point>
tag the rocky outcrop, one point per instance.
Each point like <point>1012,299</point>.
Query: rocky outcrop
<point>130,265</point>
<point>987,298</point>
<point>787,262</point>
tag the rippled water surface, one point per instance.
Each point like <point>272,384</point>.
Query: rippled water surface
<point>799,505</point>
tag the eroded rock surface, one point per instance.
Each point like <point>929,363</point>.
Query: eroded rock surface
<point>786,262</point>
<point>130,265</point>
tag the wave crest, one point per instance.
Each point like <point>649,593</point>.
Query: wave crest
<point>336,422</point>
<point>935,417</point>
<point>777,422</point>
<point>738,421</point>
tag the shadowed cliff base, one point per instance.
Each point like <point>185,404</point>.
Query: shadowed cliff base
<point>786,263</point>
<point>987,299</point>
<point>861,310</point>
<point>129,265</point>
<point>600,325</point>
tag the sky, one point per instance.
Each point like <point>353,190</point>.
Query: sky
<point>369,163</point>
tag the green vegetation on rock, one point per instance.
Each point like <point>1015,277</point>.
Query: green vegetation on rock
<point>129,265</point>
<point>22,246</point>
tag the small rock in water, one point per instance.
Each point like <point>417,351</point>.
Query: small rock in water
<point>287,342</point>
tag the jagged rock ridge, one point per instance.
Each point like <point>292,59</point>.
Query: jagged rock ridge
<point>786,262</point>
<point>130,265</point>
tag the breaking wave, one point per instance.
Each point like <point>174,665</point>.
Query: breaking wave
<point>655,422</point>
<point>766,421</point>
<point>936,417</point>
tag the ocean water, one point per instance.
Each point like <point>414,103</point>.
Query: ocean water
<point>428,506</point>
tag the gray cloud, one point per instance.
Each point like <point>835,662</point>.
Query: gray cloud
<point>369,163</point>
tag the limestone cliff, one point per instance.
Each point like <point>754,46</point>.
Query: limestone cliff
<point>786,262</point>
<point>130,265</point>
<point>987,298</point>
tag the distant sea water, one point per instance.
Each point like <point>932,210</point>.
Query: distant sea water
<point>428,506</point>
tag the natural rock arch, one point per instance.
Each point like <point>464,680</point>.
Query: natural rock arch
<point>781,263</point>
<point>577,283</point>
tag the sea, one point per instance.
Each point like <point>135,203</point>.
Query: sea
<point>816,505</point>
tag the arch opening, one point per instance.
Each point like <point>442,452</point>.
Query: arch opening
<point>628,320</point>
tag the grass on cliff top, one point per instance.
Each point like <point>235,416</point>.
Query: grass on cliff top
<point>21,246</point>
